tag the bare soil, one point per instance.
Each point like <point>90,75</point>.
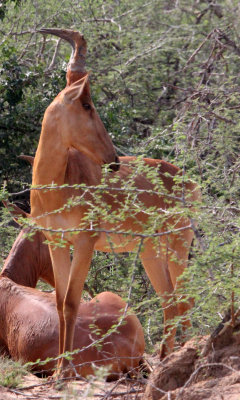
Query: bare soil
<point>97,389</point>
<point>205,368</point>
<point>202,369</point>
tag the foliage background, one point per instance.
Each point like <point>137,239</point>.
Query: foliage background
<point>165,80</point>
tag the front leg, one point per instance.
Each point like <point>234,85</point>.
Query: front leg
<point>82,256</point>
<point>61,268</point>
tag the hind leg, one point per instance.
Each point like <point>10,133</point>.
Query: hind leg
<point>178,252</point>
<point>155,261</point>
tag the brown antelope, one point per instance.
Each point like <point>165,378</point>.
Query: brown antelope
<point>71,121</point>
<point>29,319</point>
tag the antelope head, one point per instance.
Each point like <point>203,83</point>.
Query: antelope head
<point>73,114</point>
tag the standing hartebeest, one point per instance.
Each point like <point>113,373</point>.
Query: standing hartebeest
<point>71,121</point>
<point>29,319</point>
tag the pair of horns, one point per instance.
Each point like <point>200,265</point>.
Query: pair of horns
<point>79,47</point>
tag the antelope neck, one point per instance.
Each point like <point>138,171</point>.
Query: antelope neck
<point>50,160</point>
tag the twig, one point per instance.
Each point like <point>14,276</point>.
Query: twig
<point>233,319</point>
<point>96,230</point>
<point>109,393</point>
<point>147,51</point>
<point>131,391</point>
<point>134,10</point>
<point>111,20</point>
<point>54,55</point>
<point>191,58</point>
<point>25,48</point>
<point>98,188</point>
<point>28,396</point>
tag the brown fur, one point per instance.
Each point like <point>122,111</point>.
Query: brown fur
<point>29,260</point>
<point>29,319</point>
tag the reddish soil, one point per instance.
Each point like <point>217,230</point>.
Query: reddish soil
<point>202,369</point>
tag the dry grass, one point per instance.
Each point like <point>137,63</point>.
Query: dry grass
<point>11,372</point>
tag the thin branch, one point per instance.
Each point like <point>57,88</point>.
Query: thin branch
<point>134,10</point>
<point>97,188</point>
<point>192,57</point>
<point>107,20</point>
<point>25,48</point>
<point>54,55</point>
<point>96,230</point>
<point>147,51</point>
<point>109,394</point>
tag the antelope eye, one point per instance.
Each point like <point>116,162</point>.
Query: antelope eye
<point>87,106</point>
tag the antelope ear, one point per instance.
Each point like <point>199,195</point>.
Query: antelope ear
<point>30,159</point>
<point>15,211</point>
<point>76,90</point>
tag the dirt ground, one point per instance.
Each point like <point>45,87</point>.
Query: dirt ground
<point>202,369</point>
<point>35,388</point>
<point>205,368</point>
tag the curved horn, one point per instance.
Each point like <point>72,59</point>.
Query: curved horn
<point>76,65</point>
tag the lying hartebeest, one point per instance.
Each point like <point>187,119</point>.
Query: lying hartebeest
<point>71,121</point>
<point>29,318</point>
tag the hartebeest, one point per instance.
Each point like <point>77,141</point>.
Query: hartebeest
<point>29,319</point>
<point>71,121</point>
